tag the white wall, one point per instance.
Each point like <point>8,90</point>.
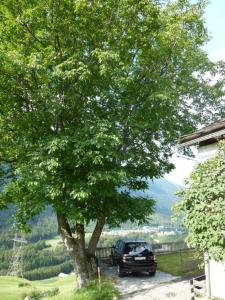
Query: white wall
<point>217,278</point>
<point>216,269</point>
<point>205,152</point>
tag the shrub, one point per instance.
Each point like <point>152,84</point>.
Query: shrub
<point>32,294</point>
<point>53,292</point>
<point>23,284</point>
<point>93,291</point>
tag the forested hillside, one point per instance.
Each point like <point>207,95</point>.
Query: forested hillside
<point>162,190</point>
<point>45,255</point>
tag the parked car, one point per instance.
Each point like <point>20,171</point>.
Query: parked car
<point>133,256</point>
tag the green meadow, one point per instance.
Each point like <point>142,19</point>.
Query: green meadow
<point>13,288</point>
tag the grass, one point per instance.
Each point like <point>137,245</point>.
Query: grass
<point>54,242</point>
<point>106,291</point>
<point>10,290</point>
<point>174,263</point>
<point>14,288</point>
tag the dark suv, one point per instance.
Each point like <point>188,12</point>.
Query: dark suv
<point>133,256</point>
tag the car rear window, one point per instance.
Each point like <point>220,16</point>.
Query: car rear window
<point>133,247</point>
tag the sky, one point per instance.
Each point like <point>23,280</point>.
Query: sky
<point>215,23</point>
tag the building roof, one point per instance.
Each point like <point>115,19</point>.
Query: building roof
<point>211,132</point>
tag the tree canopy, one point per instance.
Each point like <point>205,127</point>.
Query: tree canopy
<point>93,95</point>
<point>203,206</point>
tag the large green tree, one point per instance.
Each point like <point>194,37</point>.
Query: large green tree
<point>203,206</point>
<point>93,95</point>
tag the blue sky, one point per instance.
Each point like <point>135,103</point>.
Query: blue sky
<point>215,22</point>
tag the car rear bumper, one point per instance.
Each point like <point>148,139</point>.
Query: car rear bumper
<point>137,267</point>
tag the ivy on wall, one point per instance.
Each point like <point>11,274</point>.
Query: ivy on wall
<point>203,205</point>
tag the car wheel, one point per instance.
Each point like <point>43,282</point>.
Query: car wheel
<point>120,272</point>
<point>152,273</point>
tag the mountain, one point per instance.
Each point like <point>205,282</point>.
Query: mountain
<point>163,191</point>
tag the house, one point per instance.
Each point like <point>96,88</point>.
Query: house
<point>206,140</point>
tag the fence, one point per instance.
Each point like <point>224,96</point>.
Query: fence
<point>185,259</point>
<point>103,252</point>
<point>170,247</point>
<point>185,256</point>
<point>198,287</point>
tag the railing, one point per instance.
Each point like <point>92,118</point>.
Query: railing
<point>198,287</point>
<point>187,262</point>
<point>169,246</point>
<point>103,252</point>
<point>190,265</point>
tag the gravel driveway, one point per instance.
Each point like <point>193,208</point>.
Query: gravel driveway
<point>133,283</point>
<point>167,291</point>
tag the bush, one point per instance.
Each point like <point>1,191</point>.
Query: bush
<point>53,292</point>
<point>32,294</point>
<point>23,284</point>
<point>38,294</point>
<point>93,291</point>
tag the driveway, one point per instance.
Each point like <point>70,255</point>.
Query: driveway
<point>133,283</point>
<point>165,291</point>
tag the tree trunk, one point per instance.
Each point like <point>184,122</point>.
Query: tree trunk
<point>93,244</point>
<point>96,235</point>
<point>75,246</point>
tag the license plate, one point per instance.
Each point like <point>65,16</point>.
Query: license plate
<point>140,258</point>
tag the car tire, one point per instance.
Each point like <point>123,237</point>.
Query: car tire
<point>120,272</point>
<point>152,273</point>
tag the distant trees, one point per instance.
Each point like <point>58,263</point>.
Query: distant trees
<point>40,261</point>
<point>48,272</point>
<point>92,97</point>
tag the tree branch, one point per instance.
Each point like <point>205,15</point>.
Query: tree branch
<point>96,234</point>
<point>63,225</point>
<point>24,25</point>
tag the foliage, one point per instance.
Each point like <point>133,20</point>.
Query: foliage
<point>35,294</point>
<point>39,261</point>
<point>93,291</point>
<point>203,206</point>
<point>85,110</point>
<point>23,284</point>
<point>88,113</point>
<point>48,272</point>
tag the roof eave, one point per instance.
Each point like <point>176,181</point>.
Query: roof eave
<point>202,138</point>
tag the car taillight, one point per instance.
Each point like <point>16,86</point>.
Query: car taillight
<point>126,257</point>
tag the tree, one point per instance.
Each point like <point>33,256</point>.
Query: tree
<point>93,95</point>
<point>203,206</point>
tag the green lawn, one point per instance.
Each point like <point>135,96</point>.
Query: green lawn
<point>10,290</point>
<point>177,264</point>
